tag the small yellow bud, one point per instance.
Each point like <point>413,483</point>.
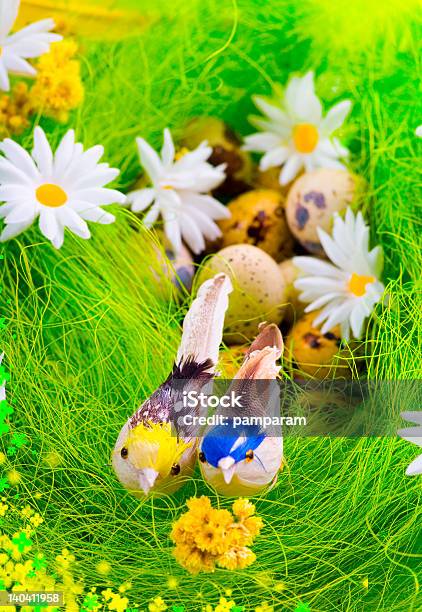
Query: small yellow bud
<point>14,477</point>
<point>103,568</point>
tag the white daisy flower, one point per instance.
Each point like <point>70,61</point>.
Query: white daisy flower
<point>413,435</point>
<point>30,42</point>
<point>347,289</point>
<point>418,131</point>
<point>180,193</point>
<point>64,189</point>
<point>295,134</point>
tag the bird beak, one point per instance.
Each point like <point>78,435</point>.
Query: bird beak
<point>227,466</point>
<point>147,478</point>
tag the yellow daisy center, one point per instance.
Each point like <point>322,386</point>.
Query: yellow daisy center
<point>51,195</point>
<point>305,137</point>
<point>357,284</point>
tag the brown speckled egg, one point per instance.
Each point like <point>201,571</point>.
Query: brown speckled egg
<point>313,199</point>
<point>226,149</point>
<point>258,289</point>
<point>258,218</point>
<point>319,355</point>
<point>295,308</point>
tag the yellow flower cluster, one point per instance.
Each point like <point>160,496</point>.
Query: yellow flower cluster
<point>206,537</point>
<point>157,605</point>
<point>57,90</point>
<point>58,86</point>
<point>15,109</point>
<point>18,573</point>
<point>115,601</point>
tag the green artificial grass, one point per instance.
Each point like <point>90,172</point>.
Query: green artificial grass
<point>93,329</point>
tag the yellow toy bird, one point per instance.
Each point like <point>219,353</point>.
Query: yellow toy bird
<point>245,459</point>
<point>149,456</point>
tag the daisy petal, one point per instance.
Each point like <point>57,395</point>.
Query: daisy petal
<point>335,117</point>
<point>64,153</point>
<point>302,100</point>
<point>58,240</point>
<point>4,77</point>
<point>141,199</point>
<point>19,158</point>
<point>149,159</point>
<point>208,228</point>
<point>14,229</point>
<point>168,150</point>
<point>69,218</point>
<point>192,235</point>
<point>415,467</point>
<point>322,301</point>
<point>317,267</point>
<point>357,319</point>
<point>208,205</point>
<point>101,196</point>
<point>319,283</point>
<point>48,223</point>
<point>42,153</point>
<point>172,230</point>
<point>338,315</point>
<point>152,215</point>
<point>273,112</point>
<point>290,169</point>
<point>21,213</point>
<point>8,14</point>
<point>38,27</point>
<point>261,142</point>
<point>14,192</point>
<point>334,251</point>
<point>94,213</point>
<point>17,64</point>
<point>276,157</point>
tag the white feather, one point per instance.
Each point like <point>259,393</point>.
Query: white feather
<point>203,324</point>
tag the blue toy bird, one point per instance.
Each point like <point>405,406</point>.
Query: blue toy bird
<point>244,460</point>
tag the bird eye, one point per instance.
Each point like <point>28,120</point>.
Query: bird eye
<point>175,469</point>
<point>124,453</point>
<point>249,455</point>
<point>202,458</point>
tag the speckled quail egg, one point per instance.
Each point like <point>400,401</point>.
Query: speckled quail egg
<point>258,289</point>
<point>294,308</point>
<point>321,356</point>
<point>226,149</point>
<point>312,200</point>
<point>258,218</point>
